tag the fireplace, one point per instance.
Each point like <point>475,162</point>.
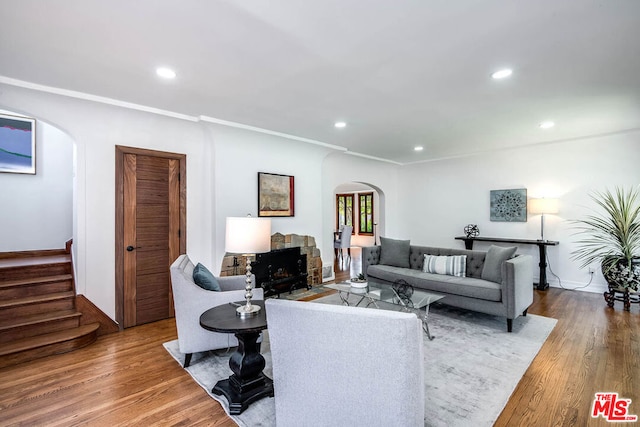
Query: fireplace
<point>280,270</point>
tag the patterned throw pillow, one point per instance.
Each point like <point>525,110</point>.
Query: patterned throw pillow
<point>453,265</point>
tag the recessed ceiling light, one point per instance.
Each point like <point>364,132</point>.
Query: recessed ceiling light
<point>166,73</point>
<point>501,74</point>
<point>547,125</point>
<point>340,124</point>
<point>418,148</point>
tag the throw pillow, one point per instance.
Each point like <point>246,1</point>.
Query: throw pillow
<point>394,252</point>
<point>452,265</point>
<point>496,255</point>
<point>205,279</point>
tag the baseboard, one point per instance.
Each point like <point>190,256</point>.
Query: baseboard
<point>92,314</point>
<point>598,288</point>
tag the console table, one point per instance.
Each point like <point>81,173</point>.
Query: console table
<point>542,248</point>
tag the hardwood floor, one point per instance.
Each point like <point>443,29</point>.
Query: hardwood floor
<point>128,378</point>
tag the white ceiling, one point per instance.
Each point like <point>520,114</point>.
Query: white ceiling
<point>401,73</point>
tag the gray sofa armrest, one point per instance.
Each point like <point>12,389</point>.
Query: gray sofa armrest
<point>370,256</point>
<point>517,283</point>
<point>237,283</point>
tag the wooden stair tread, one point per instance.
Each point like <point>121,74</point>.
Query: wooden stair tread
<point>35,280</point>
<point>33,319</point>
<point>47,339</point>
<point>34,261</point>
<point>36,299</point>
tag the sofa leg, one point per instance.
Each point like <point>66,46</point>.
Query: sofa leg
<point>187,360</point>
<point>524,313</point>
<point>509,325</point>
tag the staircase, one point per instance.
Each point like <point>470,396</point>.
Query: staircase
<point>38,315</point>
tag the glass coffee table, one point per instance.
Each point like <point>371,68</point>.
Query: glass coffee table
<point>410,299</point>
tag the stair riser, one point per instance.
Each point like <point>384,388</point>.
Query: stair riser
<point>31,271</point>
<point>58,348</point>
<point>33,289</point>
<point>41,307</point>
<point>38,329</point>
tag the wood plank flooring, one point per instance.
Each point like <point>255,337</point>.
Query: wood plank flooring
<point>128,378</point>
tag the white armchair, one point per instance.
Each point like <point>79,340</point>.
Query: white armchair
<point>190,301</point>
<point>345,366</point>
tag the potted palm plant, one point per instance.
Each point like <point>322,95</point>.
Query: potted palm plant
<point>612,238</point>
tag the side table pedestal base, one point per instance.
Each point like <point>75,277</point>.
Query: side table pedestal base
<point>248,383</point>
<point>239,400</point>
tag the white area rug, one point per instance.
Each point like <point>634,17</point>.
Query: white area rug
<point>471,367</point>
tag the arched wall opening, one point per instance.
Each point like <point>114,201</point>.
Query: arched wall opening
<point>357,188</point>
<point>39,210</point>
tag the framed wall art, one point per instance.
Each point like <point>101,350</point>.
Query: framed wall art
<point>508,205</point>
<point>17,144</point>
<point>276,195</point>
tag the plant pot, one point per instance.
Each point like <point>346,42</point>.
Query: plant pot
<point>620,276</point>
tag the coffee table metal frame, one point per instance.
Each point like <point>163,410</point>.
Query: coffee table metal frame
<point>375,292</point>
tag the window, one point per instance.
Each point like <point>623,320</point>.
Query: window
<point>365,208</point>
<point>344,210</point>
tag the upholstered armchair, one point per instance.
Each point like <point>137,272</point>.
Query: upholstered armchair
<point>345,366</point>
<point>343,241</point>
<point>190,301</point>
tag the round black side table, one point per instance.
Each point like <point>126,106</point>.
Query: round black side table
<point>248,383</point>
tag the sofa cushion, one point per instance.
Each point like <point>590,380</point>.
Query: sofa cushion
<point>454,265</point>
<point>475,259</point>
<point>205,279</point>
<point>496,255</point>
<point>463,286</point>
<point>394,252</point>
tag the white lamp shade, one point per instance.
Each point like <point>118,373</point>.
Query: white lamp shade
<point>247,235</point>
<point>543,206</point>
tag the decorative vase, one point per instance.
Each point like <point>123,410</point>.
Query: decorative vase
<point>623,282</point>
<point>357,283</point>
<point>621,276</point>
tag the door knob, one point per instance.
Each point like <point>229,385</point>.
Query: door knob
<point>130,248</point>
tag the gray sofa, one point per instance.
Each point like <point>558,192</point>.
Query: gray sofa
<point>503,288</point>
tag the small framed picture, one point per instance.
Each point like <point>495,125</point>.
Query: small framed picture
<point>276,196</point>
<point>508,205</point>
<point>17,144</point>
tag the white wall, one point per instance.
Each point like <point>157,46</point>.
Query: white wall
<point>222,166</point>
<point>96,129</point>
<point>429,203</point>
<point>439,198</point>
<point>37,210</point>
<point>239,156</point>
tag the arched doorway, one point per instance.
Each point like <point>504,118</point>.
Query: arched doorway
<point>362,206</point>
<point>42,205</point>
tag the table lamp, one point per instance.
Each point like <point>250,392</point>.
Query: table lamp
<point>248,236</point>
<point>543,206</point>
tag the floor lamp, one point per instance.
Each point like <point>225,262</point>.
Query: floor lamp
<point>248,236</point>
<point>543,206</point>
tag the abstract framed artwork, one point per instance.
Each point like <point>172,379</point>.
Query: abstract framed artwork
<point>508,205</point>
<point>17,144</point>
<point>276,196</point>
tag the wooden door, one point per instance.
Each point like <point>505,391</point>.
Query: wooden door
<point>151,238</point>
